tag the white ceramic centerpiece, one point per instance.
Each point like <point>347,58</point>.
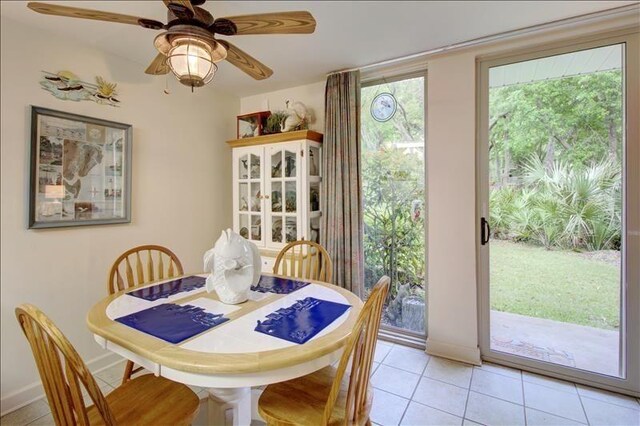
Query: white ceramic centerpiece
<point>234,263</point>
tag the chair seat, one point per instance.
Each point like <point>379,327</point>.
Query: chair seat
<point>301,401</point>
<point>149,400</point>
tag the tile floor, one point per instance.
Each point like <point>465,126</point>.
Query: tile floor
<point>412,388</point>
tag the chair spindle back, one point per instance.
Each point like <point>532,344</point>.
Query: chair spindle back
<point>61,369</point>
<point>304,259</point>
<point>359,351</point>
<point>165,265</point>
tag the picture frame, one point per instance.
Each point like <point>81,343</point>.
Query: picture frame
<point>80,170</point>
<point>252,125</point>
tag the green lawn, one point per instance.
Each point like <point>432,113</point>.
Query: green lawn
<point>557,285</point>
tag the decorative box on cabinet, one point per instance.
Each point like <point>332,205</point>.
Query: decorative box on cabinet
<point>276,189</point>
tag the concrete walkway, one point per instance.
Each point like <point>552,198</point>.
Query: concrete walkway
<point>578,346</point>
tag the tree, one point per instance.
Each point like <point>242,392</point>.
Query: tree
<point>562,140</point>
<point>576,119</point>
<point>408,122</point>
<point>393,186</point>
<point>394,229</point>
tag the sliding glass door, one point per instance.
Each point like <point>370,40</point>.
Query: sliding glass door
<point>558,177</point>
<point>393,180</point>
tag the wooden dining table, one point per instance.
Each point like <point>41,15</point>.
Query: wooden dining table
<point>232,357</point>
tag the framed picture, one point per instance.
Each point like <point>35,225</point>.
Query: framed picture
<point>80,170</point>
<point>251,125</point>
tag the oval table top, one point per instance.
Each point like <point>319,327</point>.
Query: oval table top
<point>232,347</point>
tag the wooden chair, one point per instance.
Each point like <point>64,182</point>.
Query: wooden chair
<point>328,396</point>
<point>145,400</point>
<point>145,272</point>
<point>304,259</point>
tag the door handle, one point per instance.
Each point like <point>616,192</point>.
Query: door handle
<point>485,231</point>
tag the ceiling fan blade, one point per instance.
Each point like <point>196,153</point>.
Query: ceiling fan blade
<point>76,12</point>
<point>300,22</point>
<point>158,66</point>
<point>246,62</point>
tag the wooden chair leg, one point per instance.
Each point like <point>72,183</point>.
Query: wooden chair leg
<point>128,370</point>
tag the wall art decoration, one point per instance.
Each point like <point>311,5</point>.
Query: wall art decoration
<point>66,86</point>
<point>80,170</point>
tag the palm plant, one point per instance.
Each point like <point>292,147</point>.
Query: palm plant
<point>562,206</point>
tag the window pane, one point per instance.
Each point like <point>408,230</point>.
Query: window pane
<point>556,149</point>
<point>276,165</point>
<point>243,167</point>
<point>289,164</point>
<point>244,196</point>
<point>393,173</point>
<point>276,197</point>
<point>290,194</point>
<point>255,167</point>
<point>291,229</point>
<point>276,229</point>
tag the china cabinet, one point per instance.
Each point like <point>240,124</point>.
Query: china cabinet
<point>276,189</point>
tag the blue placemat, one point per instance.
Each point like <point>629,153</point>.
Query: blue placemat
<point>173,323</point>
<point>269,284</point>
<point>164,290</point>
<point>301,321</point>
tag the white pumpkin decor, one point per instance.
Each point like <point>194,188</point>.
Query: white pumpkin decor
<point>234,263</point>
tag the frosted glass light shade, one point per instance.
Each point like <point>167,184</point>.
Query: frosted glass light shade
<point>190,61</point>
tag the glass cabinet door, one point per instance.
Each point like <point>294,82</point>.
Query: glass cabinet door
<point>282,207</point>
<point>250,198</point>
<point>314,194</point>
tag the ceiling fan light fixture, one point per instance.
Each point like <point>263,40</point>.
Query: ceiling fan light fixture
<point>189,48</point>
<point>192,61</point>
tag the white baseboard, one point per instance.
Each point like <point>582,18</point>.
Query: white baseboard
<point>30,393</point>
<point>468,354</point>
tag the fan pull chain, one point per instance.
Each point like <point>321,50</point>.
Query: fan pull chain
<point>166,85</point>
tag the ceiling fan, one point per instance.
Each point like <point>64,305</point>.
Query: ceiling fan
<point>189,47</point>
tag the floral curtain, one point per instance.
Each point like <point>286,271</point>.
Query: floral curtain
<point>341,231</point>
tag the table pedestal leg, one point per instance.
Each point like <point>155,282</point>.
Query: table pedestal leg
<point>230,406</point>
<point>255,396</point>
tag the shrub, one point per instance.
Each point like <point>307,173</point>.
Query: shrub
<point>393,188</point>
<point>562,207</point>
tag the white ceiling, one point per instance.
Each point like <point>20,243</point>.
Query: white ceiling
<point>348,33</point>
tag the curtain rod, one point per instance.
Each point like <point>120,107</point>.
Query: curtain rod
<point>499,36</point>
